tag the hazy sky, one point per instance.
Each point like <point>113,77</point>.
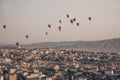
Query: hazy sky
<point>32,17</point>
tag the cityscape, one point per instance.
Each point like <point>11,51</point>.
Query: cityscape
<point>59,39</point>
<point>58,64</point>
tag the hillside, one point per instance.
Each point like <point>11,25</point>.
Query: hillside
<point>102,44</point>
<point>109,44</point>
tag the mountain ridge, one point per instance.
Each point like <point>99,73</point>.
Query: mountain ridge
<point>109,44</point>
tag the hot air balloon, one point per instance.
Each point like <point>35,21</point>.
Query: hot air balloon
<point>4,26</point>
<point>60,21</point>
<point>17,44</point>
<point>27,36</point>
<point>77,24</point>
<point>74,19</point>
<point>67,15</point>
<point>71,21</point>
<point>46,33</point>
<point>49,25</point>
<point>89,18</point>
<point>59,28</point>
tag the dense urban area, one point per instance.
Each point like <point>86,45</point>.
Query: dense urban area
<point>58,64</point>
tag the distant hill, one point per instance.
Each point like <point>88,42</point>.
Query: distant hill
<point>102,44</point>
<point>109,44</point>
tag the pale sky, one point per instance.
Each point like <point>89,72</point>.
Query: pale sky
<point>31,17</point>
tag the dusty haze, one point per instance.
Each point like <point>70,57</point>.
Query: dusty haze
<point>31,17</point>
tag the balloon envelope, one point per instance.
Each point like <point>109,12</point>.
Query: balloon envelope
<point>49,25</point>
<point>60,21</point>
<point>59,28</point>
<point>74,19</point>
<point>77,24</point>
<point>17,43</point>
<point>46,33</point>
<point>27,36</point>
<point>71,21</point>
<point>67,15</point>
<point>4,26</point>
<point>89,18</point>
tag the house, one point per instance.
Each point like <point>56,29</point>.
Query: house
<point>56,67</point>
<point>13,77</point>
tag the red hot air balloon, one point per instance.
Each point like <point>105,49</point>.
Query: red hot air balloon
<point>71,21</point>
